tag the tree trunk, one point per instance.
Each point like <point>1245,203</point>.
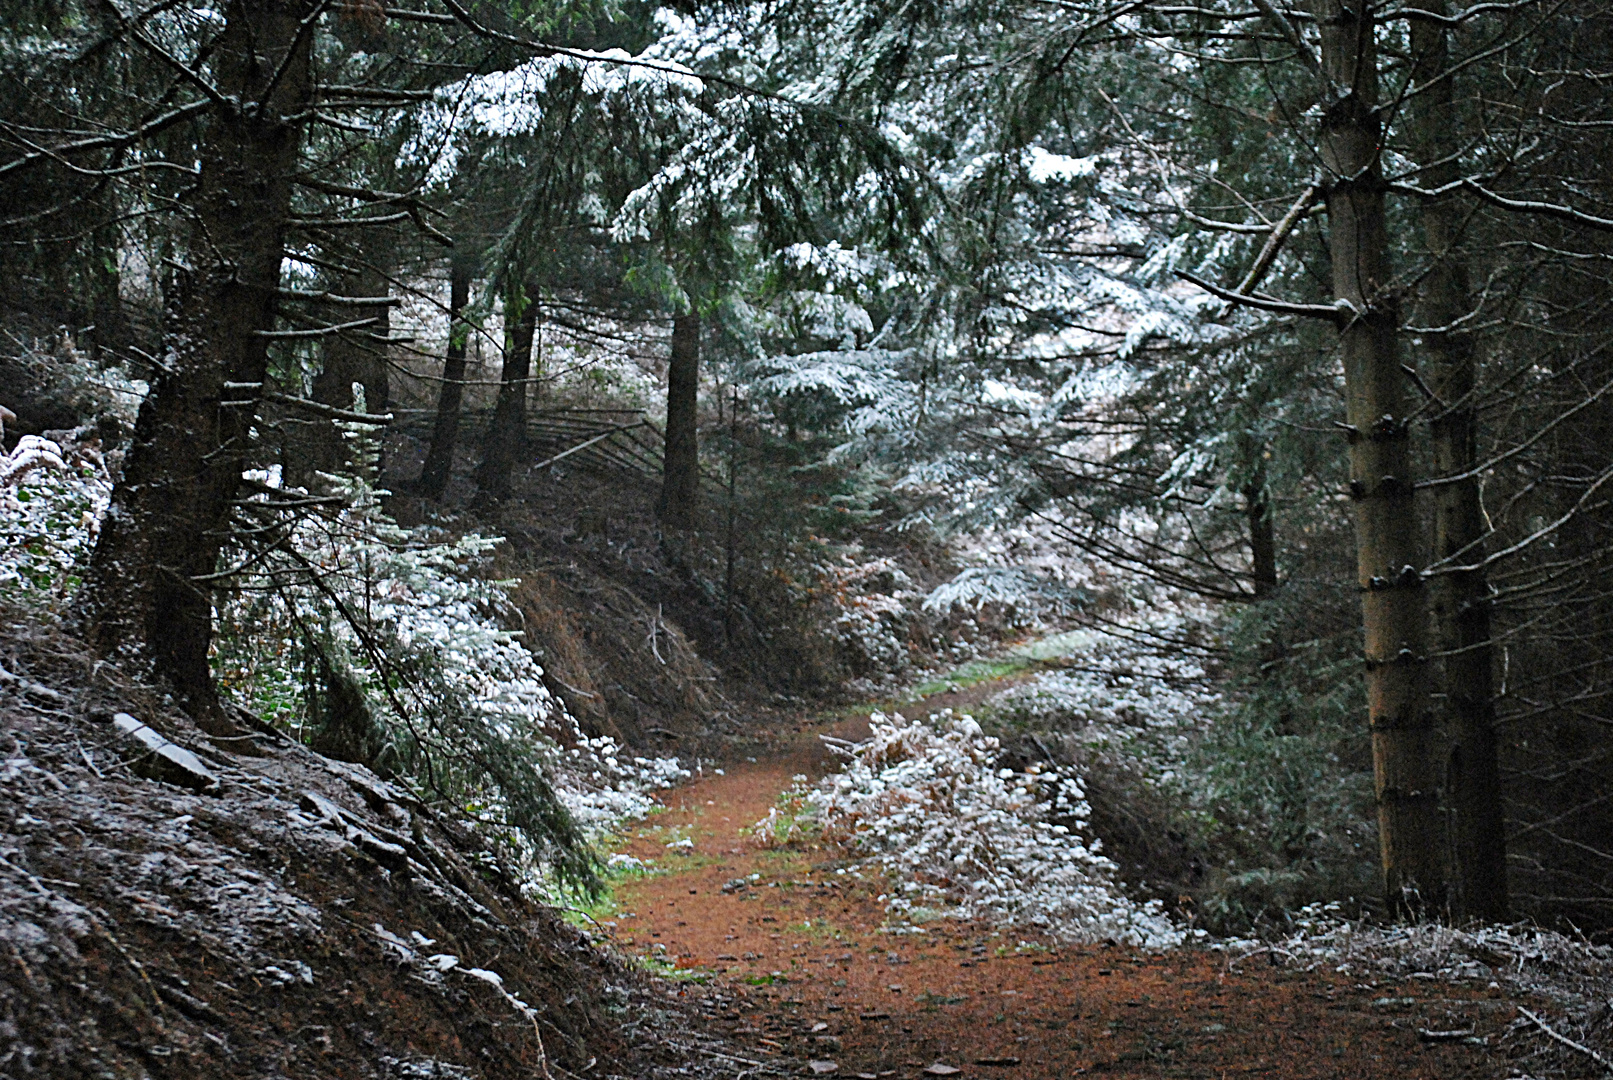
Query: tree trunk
<point>680,482</point>
<point>170,512</point>
<point>1460,600</point>
<point>111,335</point>
<point>353,356</point>
<point>1388,544</point>
<point>1262,527</point>
<point>440,455</point>
<point>506,438</point>
<point>1262,537</point>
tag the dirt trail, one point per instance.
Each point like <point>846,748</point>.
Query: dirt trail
<point>805,972</point>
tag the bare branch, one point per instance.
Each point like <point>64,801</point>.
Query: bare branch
<point>109,142</point>
<point>405,15</point>
<point>1566,1041</point>
<point>1269,303</point>
<point>1290,35</point>
<point>324,331</point>
<point>319,408</point>
<point>339,301</point>
<point>1274,243</point>
<point>1460,17</point>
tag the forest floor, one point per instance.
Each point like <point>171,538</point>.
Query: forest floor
<point>804,967</point>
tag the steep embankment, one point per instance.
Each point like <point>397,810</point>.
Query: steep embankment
<point>245,907</point>
<point>807,971</point>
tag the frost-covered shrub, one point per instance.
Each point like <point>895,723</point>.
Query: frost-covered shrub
<point>51,501</point>
<point>60,384</point>
<point>371,642</point>
<point>931,804</point>
<point>1248,791</point>
<point>789,819</point>
<point>1121,703</point>
<point>402,662</point>
<point>53,491</point>
<point>1568,971</point>
<point>1024,595</point>
<point>872,610</point>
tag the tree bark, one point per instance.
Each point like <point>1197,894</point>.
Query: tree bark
<point>1460,600</point>
<point>353,356</point>
<point>440,456</point>
<point>1262,536</point>
<point>1257,513</point>
<point>1388,541</point>
<point>170,512</point>
<point>506,437</point>
<point>680,482</point>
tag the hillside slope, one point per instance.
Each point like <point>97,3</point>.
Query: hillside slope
<point>255,909</point>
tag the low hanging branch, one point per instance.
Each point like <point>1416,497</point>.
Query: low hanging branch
<point>1274,243</point>
<point>319,408</point>
<point>1336,314</point>
<point>324,331</point>
<point>1557,1037</point>
<point>339,301</point>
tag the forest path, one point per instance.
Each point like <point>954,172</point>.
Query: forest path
<point>805,970</point>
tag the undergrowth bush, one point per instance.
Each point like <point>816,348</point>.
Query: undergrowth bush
<point>51,501</point>
<point>1236,793</point>
<point>402,662</point>
<point>370,643</point>
<point>934,805</point>
<point>1280,784</point>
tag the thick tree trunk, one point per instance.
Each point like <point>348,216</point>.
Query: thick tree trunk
<point>1460,600</point>
<point>145,593</point>
<point>445,433</point>
<point>680,482</point>
<point>506,438</point>
<point>1388,541</point>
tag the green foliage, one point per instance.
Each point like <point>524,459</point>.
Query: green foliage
<point>404,669</point>
<point>45,532</point>
<point>1278,791</point>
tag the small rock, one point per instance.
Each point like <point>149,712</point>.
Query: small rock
<point>1004,1059</point>
<point>165,761</point>
<point>823,1068</point>
<point>941,1069</point>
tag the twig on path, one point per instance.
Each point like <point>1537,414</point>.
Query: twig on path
<point>687,1048</point>
<point>1427,1035</point>
<point>1566,1041</point>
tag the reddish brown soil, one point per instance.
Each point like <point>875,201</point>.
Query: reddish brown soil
<point>811,977</point>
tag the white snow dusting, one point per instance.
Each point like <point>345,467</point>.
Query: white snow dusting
<point>930,805</point>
